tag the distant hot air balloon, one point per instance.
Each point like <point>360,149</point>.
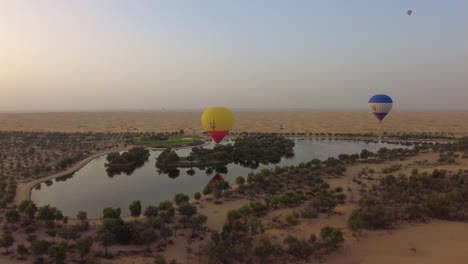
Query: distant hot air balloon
<point>409,12</point>
<point>217,121</point>
<point>380,105</point>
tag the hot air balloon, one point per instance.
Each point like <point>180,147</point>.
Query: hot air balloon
<point>409,12</point>
<point>380,105</point>
<point>217,121</point>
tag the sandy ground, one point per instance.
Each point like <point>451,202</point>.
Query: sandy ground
<point>333,122</point>
<point>436,242</point>
<point>433,243</point>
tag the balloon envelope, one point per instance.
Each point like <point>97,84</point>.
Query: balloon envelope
<point>409,12</point>
<point>217,121</point>
<point>380,105</point>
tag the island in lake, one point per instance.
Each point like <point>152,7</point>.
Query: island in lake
<point>249,150</point>
<point>127,161</point>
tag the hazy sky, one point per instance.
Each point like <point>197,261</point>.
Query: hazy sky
<point>317,54</point>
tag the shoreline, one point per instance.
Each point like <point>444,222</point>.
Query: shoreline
<point>24,189</point>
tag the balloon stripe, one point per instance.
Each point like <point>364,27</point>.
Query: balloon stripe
<point>380,105</point>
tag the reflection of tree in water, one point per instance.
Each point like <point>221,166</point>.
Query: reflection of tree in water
<point>221,169</point>
<point>216,177</point>
<point>191,172</point>
<point>38,186</point>
<point>64,177</point>
<point>128,170</point>
<point>48,183</point>
<point>172,172</point>
<point>249,164</point>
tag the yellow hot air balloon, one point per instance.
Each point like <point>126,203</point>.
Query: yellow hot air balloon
<point>217,121</point>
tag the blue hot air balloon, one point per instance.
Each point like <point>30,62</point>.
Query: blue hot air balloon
<point>380,105</point>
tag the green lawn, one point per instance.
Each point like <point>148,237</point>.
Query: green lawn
<point>173,142</point>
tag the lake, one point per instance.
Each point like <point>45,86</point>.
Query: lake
<point>91,189</point>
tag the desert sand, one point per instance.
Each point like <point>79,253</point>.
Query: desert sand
<point>333,122</point>
<point>435,242</point>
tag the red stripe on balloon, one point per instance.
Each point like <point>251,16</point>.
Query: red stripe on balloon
<point>218,136</point>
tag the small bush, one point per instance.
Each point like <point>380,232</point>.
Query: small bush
<point>291,219</point>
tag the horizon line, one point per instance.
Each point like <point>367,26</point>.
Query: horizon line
<point>136,110</point>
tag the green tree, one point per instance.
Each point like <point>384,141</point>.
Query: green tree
<point>39,248</point>
<point>365,154</point>
<point>22,251</point>
<point>148,236</point>
<point>107,239</point>
<point>180,198</point>
<point>58,253</point>
<point>135,208</point>
<point>355,221</point>
<point>118,227</point>
<point>438,205</point>
<point>324,201</point>
<point>196,222</point>
<point>151,211</point>
<point>46,213</point>
<point>23,204</point>
<point>217,193</point>
<point>58,215</point>
<point>207,190</point>
<point>166,210</point>
<point>83,245</point>
<point>112,156</point>
<point>165,233</point>
<point>68,233</point>
<point>110,212</point>
<point>12,217</point>
<point>299,248</point>
<point>265,250</point>
<point>82,216</point>
<point>197,196</point>
<point>52,233</point>
<point>332,237</point>
<point>7,241</point>
<point>240,181</point>
<point>187,209</point>
<point>30,211</point>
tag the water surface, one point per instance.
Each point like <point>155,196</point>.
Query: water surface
<point>91,189</point>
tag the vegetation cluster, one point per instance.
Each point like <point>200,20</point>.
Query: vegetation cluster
<point>248,150</point>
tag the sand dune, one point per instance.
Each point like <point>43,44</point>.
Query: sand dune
<point>352,122</point>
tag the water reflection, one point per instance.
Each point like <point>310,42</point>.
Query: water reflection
<point>64,177</point>
<point>128,170</point>
<point>91,188</point>
<point>216,177</point>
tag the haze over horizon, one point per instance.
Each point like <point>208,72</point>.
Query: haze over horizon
<point>153,55</point>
